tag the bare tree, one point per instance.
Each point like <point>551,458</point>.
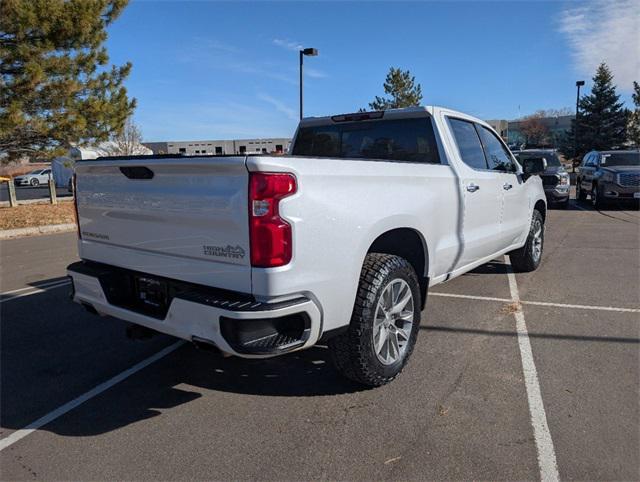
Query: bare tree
<point>128,142</point>
<point>534,130</point>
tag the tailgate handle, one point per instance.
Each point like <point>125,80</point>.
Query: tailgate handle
<point>137,172</point>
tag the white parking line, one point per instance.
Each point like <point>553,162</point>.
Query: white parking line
<point>43,285</point>
<point>582,307</point>
<point>470,297</point>
<point>544,443</point>
<point>538,303</point>
<point>60,411</point>
<point>33,290</point>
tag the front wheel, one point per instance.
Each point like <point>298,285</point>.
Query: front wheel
<point>580,194</point>
<point>35,183</point>
<point>597,199</point>
<point>384,324</point>
<point>529,256</point>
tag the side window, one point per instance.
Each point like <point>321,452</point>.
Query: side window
<point>591,160</point>
<point>498,157</point>
<point>468,143</point>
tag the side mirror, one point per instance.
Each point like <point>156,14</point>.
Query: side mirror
<point>534,166</point>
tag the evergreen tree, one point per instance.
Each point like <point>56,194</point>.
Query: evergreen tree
<point>401,86</point>
<point>56,88</point>
<point>633,128</point>
<point>601,118</point>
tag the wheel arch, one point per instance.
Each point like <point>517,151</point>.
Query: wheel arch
<point>541,207</point>
<point>408,243</point>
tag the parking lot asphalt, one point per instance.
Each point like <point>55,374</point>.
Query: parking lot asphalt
<point>462,409</point>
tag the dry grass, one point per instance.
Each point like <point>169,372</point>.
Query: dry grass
<point>32,215</point>
<point>511,308</point>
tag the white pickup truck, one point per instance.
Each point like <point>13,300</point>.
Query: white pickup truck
<point>336,243</point>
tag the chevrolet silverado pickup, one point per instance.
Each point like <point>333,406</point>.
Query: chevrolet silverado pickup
<point>335,243</point>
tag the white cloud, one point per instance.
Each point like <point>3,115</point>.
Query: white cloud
<point>314,73</point>
<point>605,31</point>
<point>287,44</point>
<point>279,106</point>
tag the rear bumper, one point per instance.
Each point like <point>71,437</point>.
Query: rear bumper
<point>235,323</point>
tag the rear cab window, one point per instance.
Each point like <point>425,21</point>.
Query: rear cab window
<point>404,140</point>
<point>552,158</point>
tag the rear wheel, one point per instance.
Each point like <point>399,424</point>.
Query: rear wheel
<point>384,324</point>
<point>529,256</point>
<point>35,182</point>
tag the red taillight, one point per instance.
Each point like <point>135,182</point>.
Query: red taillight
<point>74,184</point>
<point>270,234</point>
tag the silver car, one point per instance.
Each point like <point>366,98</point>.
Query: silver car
<point>33,178</point>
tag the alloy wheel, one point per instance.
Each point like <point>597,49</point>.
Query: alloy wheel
<point>393,322</point>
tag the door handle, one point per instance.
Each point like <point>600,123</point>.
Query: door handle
<point>472,187</point>
<point>506,186</point>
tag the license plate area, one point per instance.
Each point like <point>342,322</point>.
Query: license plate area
<point>151,295</point>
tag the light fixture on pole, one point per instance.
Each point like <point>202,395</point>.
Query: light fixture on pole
<point>311,53</point>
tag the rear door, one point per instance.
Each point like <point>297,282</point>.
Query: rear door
<point>481,190</point>
<point>182,218</point>
<point>514,204</point>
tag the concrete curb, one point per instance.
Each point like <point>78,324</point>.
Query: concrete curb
<point>36,230</point>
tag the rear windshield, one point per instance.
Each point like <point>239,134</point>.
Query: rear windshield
<point>621,159</point>
<point>552,158</point>
<point>410,140</point>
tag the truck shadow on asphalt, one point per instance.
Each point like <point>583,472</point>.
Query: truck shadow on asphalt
<point>52,351</point>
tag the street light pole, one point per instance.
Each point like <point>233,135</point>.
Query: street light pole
<point>312,53</point>
<point>579,84</point>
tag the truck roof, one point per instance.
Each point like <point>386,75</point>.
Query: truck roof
<point>404,113</point>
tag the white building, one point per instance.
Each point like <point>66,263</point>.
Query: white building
<point>221,147</point>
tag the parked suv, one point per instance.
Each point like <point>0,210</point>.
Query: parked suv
<point>609,175</point>
<point>33,178</point>
<point>555,178</point>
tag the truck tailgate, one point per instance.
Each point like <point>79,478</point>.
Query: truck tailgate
<point>181,218</point>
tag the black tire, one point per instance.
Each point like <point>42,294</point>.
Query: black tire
<point>580,194</point>
<point>353,351</point>
<point>597,200</point>
<point>34,183</point>
<point>525,259</point>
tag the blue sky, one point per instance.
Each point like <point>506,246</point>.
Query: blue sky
<point>229,69</point>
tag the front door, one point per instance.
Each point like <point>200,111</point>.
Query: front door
<point>514,204</point>
<point>482,194</point>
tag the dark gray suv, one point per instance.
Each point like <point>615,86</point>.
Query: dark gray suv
<point>609,175</point>
<point>555,178</point>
